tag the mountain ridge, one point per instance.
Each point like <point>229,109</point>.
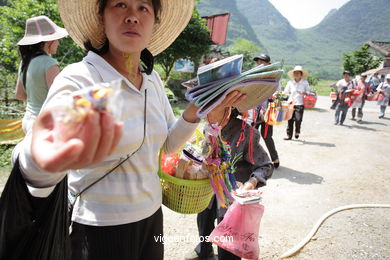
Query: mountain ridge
<point>319,48</point>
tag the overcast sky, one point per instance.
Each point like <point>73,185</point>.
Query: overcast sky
<point>306,13</point>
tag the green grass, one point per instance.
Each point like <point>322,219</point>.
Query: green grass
<point>5,154</point>
<point>5,163</point>
<point>323,87</point>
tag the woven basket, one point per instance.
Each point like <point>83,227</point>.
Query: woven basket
<point>185,196</point>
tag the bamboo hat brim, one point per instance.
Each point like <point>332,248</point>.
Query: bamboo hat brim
<point>81,20</point>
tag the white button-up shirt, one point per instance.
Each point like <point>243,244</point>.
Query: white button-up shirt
<point>294,89</point>
<point>133,191</point>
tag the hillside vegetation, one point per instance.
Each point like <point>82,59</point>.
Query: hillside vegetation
<point>319,48</point>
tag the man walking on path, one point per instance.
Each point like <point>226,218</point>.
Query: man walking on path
<point>264,59</point>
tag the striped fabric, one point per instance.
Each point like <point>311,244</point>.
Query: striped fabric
<point>133,191</point>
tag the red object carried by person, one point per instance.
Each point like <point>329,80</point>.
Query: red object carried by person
<point>309,101</point>
<point>169,163</point>
<point>333,96</point>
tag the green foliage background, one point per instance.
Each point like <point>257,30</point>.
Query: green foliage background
<point>12,22</point>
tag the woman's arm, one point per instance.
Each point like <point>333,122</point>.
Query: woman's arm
<point>44,160</point>
<point>20,93</point>
<point>262,168</point>
<point>50,74</point>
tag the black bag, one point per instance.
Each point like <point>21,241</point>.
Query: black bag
<point>31,227</point>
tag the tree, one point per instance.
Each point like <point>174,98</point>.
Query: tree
<point>360,60</point>
<point>247,48</point>
<point>12,24</point>
<point>312,79</point>
<point>191,44</point>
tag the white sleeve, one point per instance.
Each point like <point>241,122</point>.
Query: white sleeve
<point>34,175</point>
<point>380,87</point>
<point>179,130</point>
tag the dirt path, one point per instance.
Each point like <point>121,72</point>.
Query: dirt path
<point>328,167</point>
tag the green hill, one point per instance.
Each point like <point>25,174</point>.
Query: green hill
<point>319,48</point>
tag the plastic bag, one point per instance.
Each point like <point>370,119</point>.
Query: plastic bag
<point>238,232</point>
<point>288,110</point>
<point>31,227</point>
<point>70,113</point>
<point>309,101</point>
<point>271,114</point>
<point>169,163</point>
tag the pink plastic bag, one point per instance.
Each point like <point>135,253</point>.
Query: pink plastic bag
<point>239,230</point>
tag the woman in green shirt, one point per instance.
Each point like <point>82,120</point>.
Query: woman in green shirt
<point>37,69</point>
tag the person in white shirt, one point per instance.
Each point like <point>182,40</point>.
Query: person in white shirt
<point>120,215</point>
<point>342,103</point>
<point>384,96</point>
<point>296,88</point>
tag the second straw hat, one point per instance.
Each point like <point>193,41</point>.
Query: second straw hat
<point>41,29</point>
<point>81,19</point>
<point>298,68</point>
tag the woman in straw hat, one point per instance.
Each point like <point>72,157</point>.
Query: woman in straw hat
<point>37,69</point>
<point>119,216</point>
<point>297,88</point>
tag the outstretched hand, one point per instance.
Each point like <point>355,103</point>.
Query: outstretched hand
<point>96,140</point>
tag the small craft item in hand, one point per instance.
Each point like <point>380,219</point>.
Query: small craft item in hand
<point>72,110</point>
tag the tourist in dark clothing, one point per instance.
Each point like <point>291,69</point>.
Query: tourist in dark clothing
<point>266,129</point>
<point>251,175</point>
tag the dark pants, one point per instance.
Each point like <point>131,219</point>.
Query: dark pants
<point>205,221</point>
<point>269,141</point>
<point>297,119</point>
<point>123,242</point>
<point>343,111</point>
<point>360,110</point>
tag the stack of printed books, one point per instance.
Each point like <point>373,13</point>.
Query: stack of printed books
<point>216,80</point>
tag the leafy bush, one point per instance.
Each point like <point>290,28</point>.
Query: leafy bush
<point>5,155</point>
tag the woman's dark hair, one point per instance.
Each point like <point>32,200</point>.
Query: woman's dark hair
<point>146,56</point>
<point>28,52</point>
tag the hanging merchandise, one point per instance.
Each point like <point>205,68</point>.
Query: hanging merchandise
<point>288,110</point>
<point>271,114</point>
<point>220,165</point>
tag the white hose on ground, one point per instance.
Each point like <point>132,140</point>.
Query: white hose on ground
<point>307,239</point>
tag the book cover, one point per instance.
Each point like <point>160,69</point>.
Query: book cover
<point>224,68</point>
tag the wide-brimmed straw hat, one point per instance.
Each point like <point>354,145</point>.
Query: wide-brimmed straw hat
<point>81,19</point>
<point>298,68</point>
<point>41,29</point>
